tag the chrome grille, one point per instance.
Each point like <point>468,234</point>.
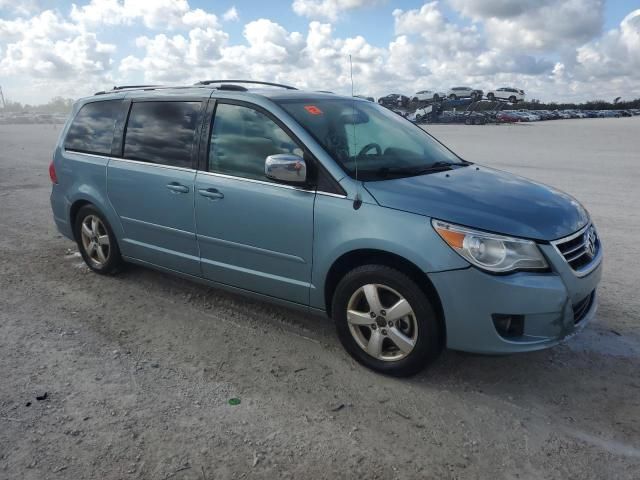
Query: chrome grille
<point>580,250</point>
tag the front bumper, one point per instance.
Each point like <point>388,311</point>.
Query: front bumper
<point>470,297</point>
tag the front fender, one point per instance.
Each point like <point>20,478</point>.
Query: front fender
<point>340,229</point>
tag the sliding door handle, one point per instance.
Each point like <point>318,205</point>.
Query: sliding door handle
<point>177,188</point>
<point>211,193</point>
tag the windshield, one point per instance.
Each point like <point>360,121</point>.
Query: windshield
<point>371,138</point>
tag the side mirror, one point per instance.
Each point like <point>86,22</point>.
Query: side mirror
<point>286,167</point>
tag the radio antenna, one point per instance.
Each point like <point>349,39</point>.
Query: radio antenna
<point>357,201</point>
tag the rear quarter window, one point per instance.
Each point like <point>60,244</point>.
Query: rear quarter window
<point>91,130</point>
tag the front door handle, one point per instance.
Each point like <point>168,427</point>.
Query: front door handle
<point>177,188</point>
<point>211,193</point>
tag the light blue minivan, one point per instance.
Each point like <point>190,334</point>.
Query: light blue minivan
<point>330,204</point>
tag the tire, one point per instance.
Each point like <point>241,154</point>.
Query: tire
<point>436,98</point>
<point>453,96</point>
<point>491,97</point>
<point>96,242</point>
<point>401,349</point>
<point>513,99</point>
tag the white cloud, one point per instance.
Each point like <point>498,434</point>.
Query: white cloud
<point>25,7</point>
<point>153,14</point>
<point>535,24</point>
<point>441,37</point>
<point>231,15</point>
<point>557,62</point>
<point>46,46</point>
<point>616,55</point>
<point>329,9</point>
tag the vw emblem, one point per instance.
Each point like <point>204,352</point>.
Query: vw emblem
<point>590,242</point>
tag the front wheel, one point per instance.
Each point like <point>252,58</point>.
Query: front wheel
<point>96,241</point>
<point>512,99</point>
<point>385,321</point>
<point>491,97</point>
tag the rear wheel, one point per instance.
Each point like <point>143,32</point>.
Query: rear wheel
<point>385,321</point>
<point>512,99</point>
<point>96,241</point>
<point>453,96</point>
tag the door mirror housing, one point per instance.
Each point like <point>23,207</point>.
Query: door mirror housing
<point>286,168</point>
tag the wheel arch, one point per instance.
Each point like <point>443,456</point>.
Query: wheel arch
<point>100,202</point>
<point>355,258</point>
<point>73,213</point>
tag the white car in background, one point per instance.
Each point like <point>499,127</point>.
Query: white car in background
<point>464,92</point>
<point>428,96</point>
<point>512,95</point>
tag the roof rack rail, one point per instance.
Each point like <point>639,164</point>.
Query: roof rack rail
<point>127,87</point>
<point>254,82</point>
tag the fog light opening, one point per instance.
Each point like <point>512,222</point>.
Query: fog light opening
<point>508,326</point>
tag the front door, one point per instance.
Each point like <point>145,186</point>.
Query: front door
<point>152,186</point>
<point>253,233</point>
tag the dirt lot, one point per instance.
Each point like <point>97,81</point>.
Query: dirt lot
<point>139,368</point>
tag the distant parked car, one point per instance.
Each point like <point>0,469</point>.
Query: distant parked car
<point>464,92</point>
<point>364,97</point>
<point>428,96</point>
<point>513,95</point>
<point>544,114</point>
<point>394,100</point>
<point>507,117</point>
<point>532,116</point>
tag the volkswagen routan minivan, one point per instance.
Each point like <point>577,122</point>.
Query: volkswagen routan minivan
<point>330,204</point>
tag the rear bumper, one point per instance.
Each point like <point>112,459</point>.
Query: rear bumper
<point>470,298</point>
<point>60,208</point>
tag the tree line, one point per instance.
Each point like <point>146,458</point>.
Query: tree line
<point>591,105</point>
<point>55,105</point>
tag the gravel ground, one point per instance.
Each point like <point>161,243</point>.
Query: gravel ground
<point>139,368</point>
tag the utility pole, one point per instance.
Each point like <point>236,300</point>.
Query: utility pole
<point>4,104</point>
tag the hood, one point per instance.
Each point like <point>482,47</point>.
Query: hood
<point>486,199</point>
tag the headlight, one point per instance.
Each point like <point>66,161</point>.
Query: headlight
<point>489,251</point>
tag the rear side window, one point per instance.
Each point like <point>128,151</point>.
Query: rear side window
<point>162,132</point>
<point>92,128</point>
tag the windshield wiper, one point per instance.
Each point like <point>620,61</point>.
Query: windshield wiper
<point>413,171</point>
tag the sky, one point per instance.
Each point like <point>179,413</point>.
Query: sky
<point>556,50</point>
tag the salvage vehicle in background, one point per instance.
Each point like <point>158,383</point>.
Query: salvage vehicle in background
<point>394,100</point>
<point>328,204</point>
<point>464,92</point>
<point>428,96</point>
<point>507,117</point>
<point>510,94</point>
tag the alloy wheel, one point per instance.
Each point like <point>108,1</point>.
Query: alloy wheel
<point>95,240</point>
<point>382,322</point>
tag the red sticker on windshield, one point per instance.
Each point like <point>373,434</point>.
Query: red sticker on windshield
<point>313,110</point>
